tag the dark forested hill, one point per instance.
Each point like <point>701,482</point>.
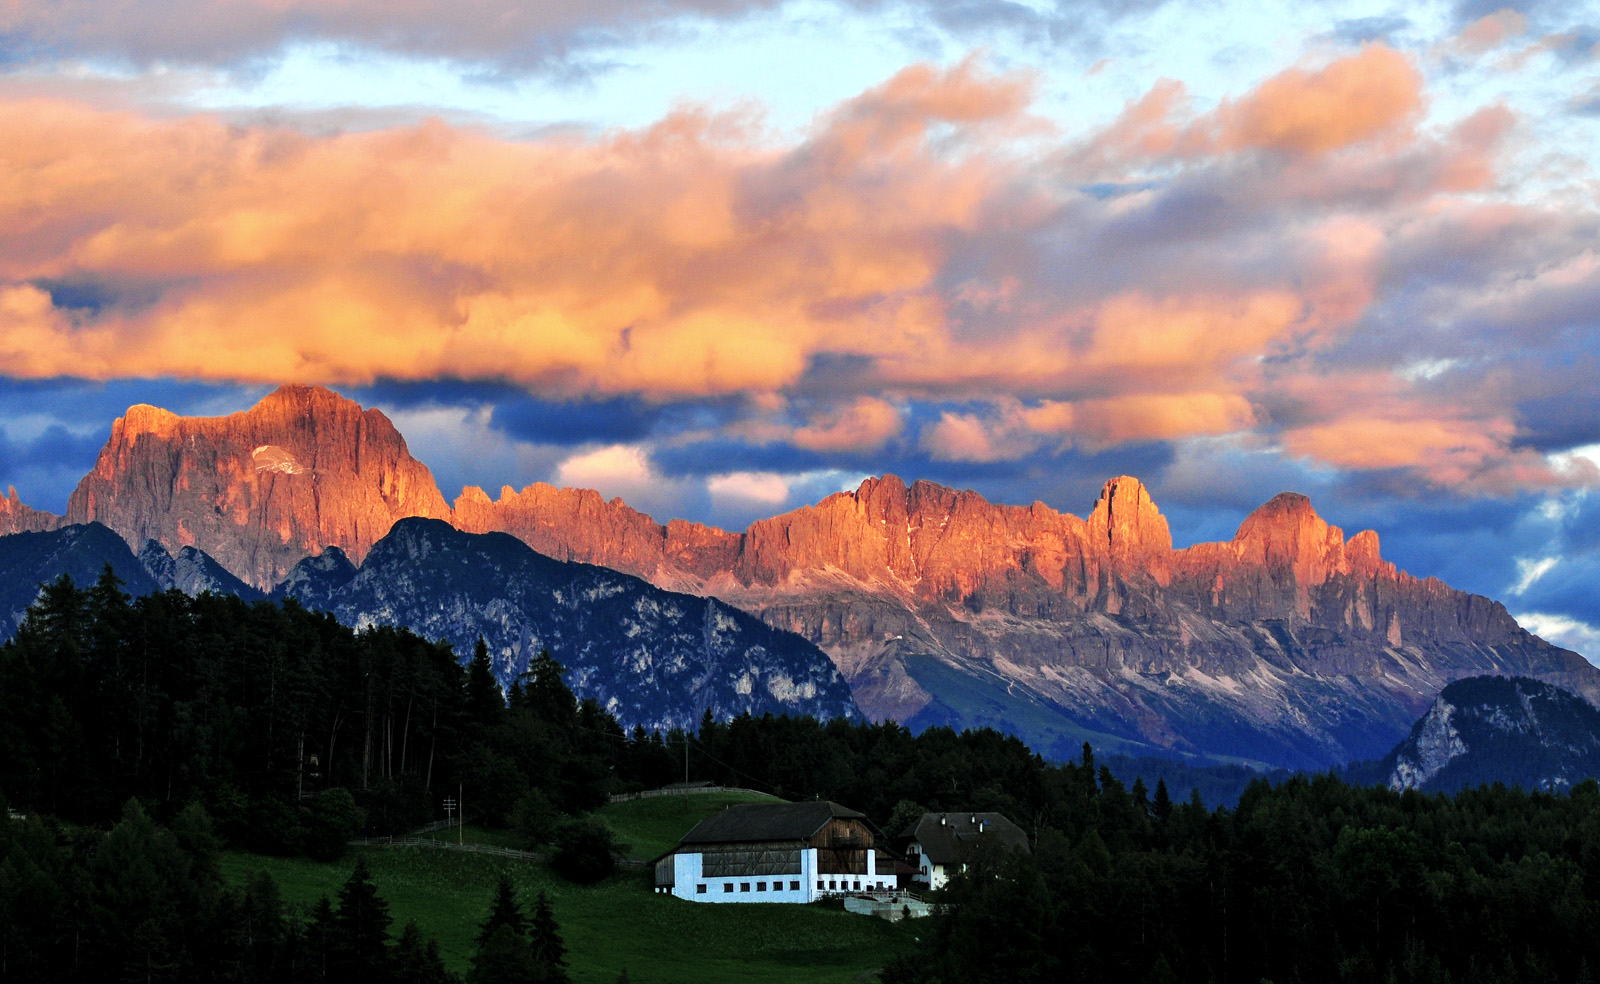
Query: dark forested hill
<point>1511,730</point>
<point>28,560</point>
<point>651,657</point>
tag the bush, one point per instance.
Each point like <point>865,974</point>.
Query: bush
<point>583,851</point>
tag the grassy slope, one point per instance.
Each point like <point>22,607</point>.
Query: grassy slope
<point>618,923</point>
<point>651,827</point>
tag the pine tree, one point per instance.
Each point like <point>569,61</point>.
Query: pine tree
<point>547,694</point>
<point>320,942</point>
<point>1162,805</point>
<point>485,702</point>
<point>505,912</point>
<point>504,958</point>
<point>549,952</point>
<point>417,960</point>
<point>361,929</point>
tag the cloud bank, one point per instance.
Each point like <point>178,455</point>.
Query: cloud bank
<point>929,267</point>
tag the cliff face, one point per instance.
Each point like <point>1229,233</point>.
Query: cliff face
<point>15,517</point>
<point>1287,645</point>
<point>301,470</point>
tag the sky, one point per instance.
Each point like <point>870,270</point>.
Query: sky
<point>725,257</point>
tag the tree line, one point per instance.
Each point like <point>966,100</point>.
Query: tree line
<point>289,732</point>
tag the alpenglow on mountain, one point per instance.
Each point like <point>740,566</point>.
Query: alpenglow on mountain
<point>1288,645</point>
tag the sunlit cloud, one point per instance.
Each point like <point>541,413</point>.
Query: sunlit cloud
<point>922,269</point>
<point>1570,633</point>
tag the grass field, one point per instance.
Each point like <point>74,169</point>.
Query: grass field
<point>651,827</point>
<point>618,923</point>
<point>474,834</point>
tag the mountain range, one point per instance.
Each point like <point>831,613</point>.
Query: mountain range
<point>1288,645</point>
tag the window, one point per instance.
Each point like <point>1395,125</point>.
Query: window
<point>761,886</point>
<point>820,886</point>
<point>858,886</point>
<point>744,886</point>
<point>727,886</point>
<point>794,886</point>
<point>833,885</point>
<point>699,890</point>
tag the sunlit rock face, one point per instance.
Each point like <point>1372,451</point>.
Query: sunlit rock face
<point>301,470</point>
<point>1286,645</point>
<point>16,517</point>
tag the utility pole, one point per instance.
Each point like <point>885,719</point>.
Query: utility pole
<point>686,758</point>
<point>462,826</point>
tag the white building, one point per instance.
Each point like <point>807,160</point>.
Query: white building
<point>775,852</point>
<point>936,844</point>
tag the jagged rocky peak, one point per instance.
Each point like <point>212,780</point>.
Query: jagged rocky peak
<point>301,470</point>
<point>1287,533</point>
<point>1126,523</point>
<point>650,656</point>
<point>17,517</point>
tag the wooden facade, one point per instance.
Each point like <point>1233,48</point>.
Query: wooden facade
<point>842,845</point>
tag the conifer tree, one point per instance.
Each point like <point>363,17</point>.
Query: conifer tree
<point>504,912</point>
<point>1161,806</point>
<point>319,944</point>
<point>417,960</point>
<point>547,694</point>
<point>504,958</point>
<point>361,929</point>
<point>485,701</point>
<point>549,952</point>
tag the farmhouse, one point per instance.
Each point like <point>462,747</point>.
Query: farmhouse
<point>776,852</point>
<point>937,843</point>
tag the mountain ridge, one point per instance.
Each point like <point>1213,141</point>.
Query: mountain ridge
<point>1288,644</point>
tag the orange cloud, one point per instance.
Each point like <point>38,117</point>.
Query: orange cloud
<point>1368,95</point>
<point>865,424</point>
<point>1375,94</point>
<point>1463,453</point>
<point>672,260</point>
<point>901,251</point>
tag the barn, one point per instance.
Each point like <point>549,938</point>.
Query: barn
<point>776,852</point>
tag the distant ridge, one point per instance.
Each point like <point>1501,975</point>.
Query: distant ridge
<point>649,656</point>
<point>1288,645</point>
<point>1513,730</point>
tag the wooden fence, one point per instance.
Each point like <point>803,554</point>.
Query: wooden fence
<point>533,857</point>
<point>685,791</point>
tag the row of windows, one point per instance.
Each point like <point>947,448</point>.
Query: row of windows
<point>794,886</point>
<point>761,886</point>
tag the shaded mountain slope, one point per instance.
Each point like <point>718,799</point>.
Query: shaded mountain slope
<point>650,656</point>
<point>1514,730</point>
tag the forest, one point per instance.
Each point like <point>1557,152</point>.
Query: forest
<point>138,736</point>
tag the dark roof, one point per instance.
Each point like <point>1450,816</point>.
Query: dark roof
<point>942,842</point>
<point>767,822</point>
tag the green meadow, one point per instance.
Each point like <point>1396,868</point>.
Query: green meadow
<point>651,827</point>
<point>616,924</point>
